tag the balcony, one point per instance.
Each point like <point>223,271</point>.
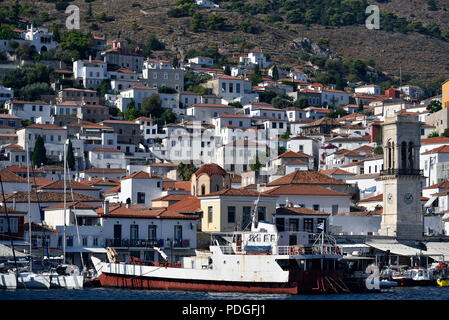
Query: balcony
<point>401,172</point>
<point>137,243</point>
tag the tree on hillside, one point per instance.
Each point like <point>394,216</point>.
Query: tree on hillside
<point>227,70</point>
<point>152,106</point>
<point>275,73</point>
<point>434,106</point>
<point>70,156</point>
<point>39,157</point>
<point>185,171</point>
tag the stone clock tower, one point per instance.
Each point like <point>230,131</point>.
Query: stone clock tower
<point>402,213</point>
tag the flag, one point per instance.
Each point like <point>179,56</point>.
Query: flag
<point>320,226</point>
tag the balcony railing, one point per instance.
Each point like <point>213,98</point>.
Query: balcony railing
<point>401,172</point>
<point>127,243</point>
<point>145,243</point>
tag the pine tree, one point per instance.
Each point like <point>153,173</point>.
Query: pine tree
<point>227,71</point>
<point>70,157</point>
<point>39,153</point>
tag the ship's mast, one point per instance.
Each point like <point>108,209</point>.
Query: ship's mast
<point>29,201</point>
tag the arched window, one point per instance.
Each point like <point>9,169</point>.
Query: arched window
<point>203,189</point>
<point>403,155</point>
<point>389,151</point>
<point>411,155</point>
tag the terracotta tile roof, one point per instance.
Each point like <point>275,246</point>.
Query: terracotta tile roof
<point>375,198</point>
<point>305,177</point>
<point>114,190</point>
<point>435,140</point>
<point>52,168</point>
<point>71,205</point>
<point>300,211</point>
<point>87,124</point>
<point>440,185</point>
<point>80,90</point>
<point>74,185</point>
<point>355,163</point>
<point>361,213</point>
<point>44,126</point>
<point>306,190</point>
<point>292,154</point>
<point>101,182</point>
<point>44,197</point>
<point>231,192</point>
<point>106,150</point>
<point>9,176</point>
<point>296,162</point>
<point>442,149</point>
<point>236,178</point>
<point>184,185</point>
<point>141,175</point>
<point>40,181</point>
<point>364,176</point>
<point>336,171</point>
<point>210,169</point>
<point>121,211</point>
<point>22,169</point>
<point>189,204</point>
<point>13,146</point>
<point>8,116</point>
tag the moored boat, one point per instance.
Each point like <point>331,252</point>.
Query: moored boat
<point>8,281</point>
<point>241,261</point>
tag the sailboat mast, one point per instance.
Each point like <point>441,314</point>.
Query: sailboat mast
<point>65,203</point>
<point>9,228</point>
<point>29,202</point>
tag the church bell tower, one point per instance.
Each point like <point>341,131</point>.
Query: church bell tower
<point>402,213</point>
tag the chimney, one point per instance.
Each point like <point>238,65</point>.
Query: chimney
<point>106,207</point>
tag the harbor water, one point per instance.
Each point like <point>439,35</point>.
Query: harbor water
<point>392,294</point>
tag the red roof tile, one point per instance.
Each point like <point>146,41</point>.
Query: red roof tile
<point>210,169</point>
<point>305,177</point>
<point>305,190</point>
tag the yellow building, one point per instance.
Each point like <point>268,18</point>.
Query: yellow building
<point>445,94</point>
<point>230,209</point>
<point>209,178</point>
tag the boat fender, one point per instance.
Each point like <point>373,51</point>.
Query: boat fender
<point>292,251</point>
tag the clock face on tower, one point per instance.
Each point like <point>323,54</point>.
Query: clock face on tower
<point>408,198</point>
<point>390,198</point>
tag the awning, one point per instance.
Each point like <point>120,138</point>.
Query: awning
<point>438,250</point>
<point>397,248</point>
<point>87,250</point>
<point>6,252</point>
<point>430,201</point>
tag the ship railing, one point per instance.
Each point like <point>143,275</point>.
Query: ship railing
<point>313,250</point>
<point>227,250</point>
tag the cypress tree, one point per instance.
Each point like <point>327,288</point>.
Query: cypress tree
<point>70,157</point>
<point>39,153</point>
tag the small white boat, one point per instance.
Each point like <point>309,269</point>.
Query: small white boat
<point>27,280</point>
<point>8,281</point>
<point>66,282</point>
<point>66,277</point>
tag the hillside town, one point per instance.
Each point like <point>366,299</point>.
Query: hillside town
<point>164,152</point>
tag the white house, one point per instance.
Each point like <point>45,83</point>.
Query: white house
<point>298,75</point>
<point>107,158</point>
<point>369,89</point>
<point>140,188</point>
<point>206,112</point>
<point>134,231</point>
<point>334,97</point>
<point>255,57</point>
<point>312,197</point>
<point>5,94</point>
<point>202,61</point>
<point>90,73</point>
<point>28,110</point>
<point>83,230</point>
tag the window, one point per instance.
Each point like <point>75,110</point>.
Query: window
<point>223,87</point>
<point>316,207</point>
<point>134,232</point>
<point>209,214</point>
<point>237,87</point>
<point>261,211</point>
<point>308,225</point>
<point>293,224</point>
<point>140,197</point>
<point>334,209</point>
<point>69,241</point>
<point>177,233</point>
<point>152,232</point>
<point>231,214</point>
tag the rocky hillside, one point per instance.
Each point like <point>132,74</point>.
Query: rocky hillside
<point>424,58</point>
